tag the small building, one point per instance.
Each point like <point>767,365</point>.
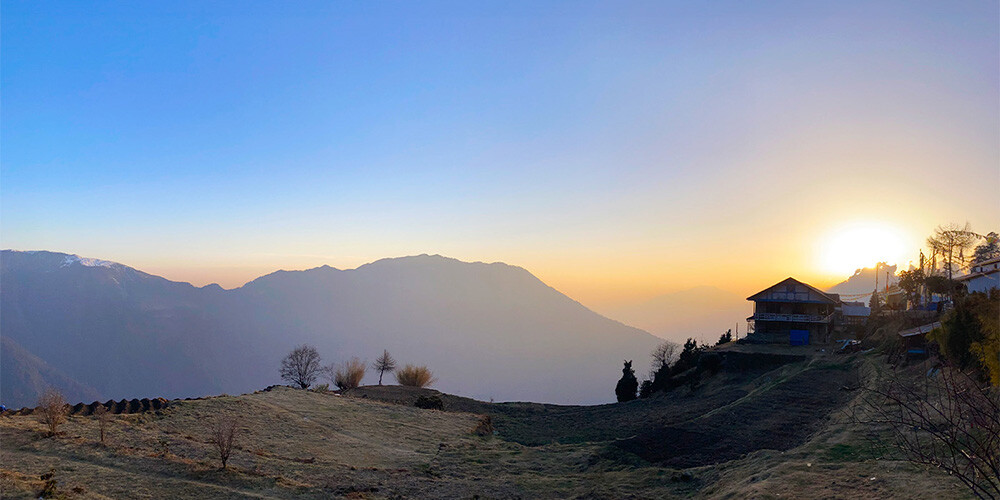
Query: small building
<point>915,339</point>
<point>855,313</point>
<point>793,312</point>
<point>983,276</point>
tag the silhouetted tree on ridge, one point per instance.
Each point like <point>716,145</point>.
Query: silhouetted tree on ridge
<point>301,366</point>
<point>628,385</point>
<point>383,364</point>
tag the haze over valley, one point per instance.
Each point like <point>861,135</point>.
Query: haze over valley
<point>490,331</point>
<point>639,249</point>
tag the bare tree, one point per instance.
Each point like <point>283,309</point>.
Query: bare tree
<point>301,366</point>
<point>224,431</point>
<point>383,364</point>
<point>951,241</point>
<point>947,420</point>
<point>53,408</point>
<point>663,355</point>
<point>103,419</point>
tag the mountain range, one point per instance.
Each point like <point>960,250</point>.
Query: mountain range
<point>859,286</point>
<point>99,329</point>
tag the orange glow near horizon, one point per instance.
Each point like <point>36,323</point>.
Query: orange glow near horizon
<point>861,244</point>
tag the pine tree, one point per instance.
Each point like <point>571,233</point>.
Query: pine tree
<point>628,385</point>
<point>383,364</point>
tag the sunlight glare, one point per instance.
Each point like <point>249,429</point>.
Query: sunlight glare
<point>862,244</point>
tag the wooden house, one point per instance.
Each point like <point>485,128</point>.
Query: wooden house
<point>793,312</point>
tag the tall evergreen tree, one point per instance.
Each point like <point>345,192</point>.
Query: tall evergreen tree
<point>628,385</point>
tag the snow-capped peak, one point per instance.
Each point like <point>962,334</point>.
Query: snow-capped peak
<point>83,261</point>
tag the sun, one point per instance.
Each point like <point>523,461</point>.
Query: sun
<point>861,244</point>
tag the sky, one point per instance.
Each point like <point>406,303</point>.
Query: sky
<point>617,150</point>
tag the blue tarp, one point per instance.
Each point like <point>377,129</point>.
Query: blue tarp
<point>798,337</point>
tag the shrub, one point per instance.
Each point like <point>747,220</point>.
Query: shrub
<point>52,406</point>
<point>662,356</point>
<point>321,388</point>
<point>484,427</point>
<point>223,436</point>
<point>349,375</point>
<point>949,420</point>
<point>104,417</point>
<point>429,403</point>
<point>725,338</point>
<point>645,389</point>
<point>415,376</point>
<point>688,357</point>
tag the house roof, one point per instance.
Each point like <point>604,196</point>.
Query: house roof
<point>988,261</point>
<point>976,275</point>
<point>856,310</point>
<point>920,330</point>
<point>832,298</point>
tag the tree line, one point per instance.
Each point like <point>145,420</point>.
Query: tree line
<point>670,369</point>
<point>303,366</point>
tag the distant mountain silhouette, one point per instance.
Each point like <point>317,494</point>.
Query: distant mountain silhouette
<point>862,283</point>
<point>486,330</point>
<point>703,312</point>
<point>23,376</point>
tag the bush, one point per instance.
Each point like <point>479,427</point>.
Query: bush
<point>645,389</point>
<point>224,430</point>
<point>484,427</point>
<point>415,376</point>
<point>725,338</point>
<point>429,403</point>
<point>104,417</point>
<point>53,408</point>
<point>321,388</point>
<point>688,357</point>
<point>969,336</point>
<point>349,375</point>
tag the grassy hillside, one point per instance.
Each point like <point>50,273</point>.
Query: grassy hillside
<point>301,444</point>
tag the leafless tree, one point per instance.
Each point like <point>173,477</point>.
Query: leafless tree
<point>224,430</point>
<point>301,366</point>
<point>383,364</point>
<point>663,355</point>
<point>52,406</point>
<point>104,418</point>
<point>947,420</point>
<point>951,241</point>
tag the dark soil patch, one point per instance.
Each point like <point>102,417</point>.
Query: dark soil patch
<point>778,418</point>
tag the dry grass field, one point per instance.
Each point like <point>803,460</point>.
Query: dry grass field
<point>771,437</point>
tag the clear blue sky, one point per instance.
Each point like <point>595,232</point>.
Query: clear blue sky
<point>597,144</point>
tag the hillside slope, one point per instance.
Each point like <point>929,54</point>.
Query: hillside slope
<point>23,376</point>
<point>303,444</point>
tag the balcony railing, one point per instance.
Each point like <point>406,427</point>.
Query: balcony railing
<point>798,318</point>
